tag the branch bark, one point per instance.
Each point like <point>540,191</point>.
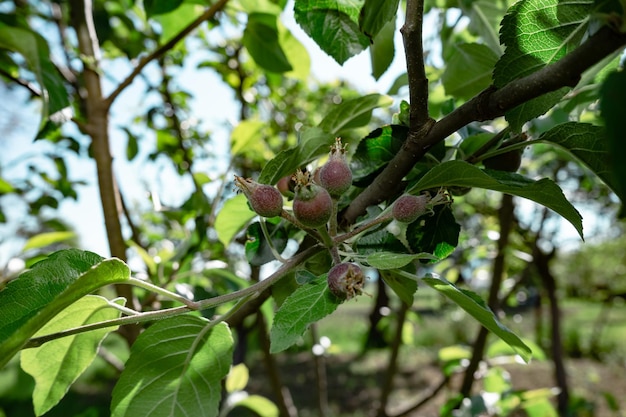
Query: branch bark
<point>487,105</point>
<point>98,129</point>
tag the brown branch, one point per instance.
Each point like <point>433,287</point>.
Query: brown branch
<point>98,128</point>
<point>488,105</point>
<point>418,83</point>
<point>160,51</point>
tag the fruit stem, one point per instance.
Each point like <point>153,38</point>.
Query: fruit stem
<point>290,218</point>
<point>333,218</point>
<point>270,242</point>
<point>330,244</point>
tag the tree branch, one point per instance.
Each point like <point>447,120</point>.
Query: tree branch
<point>98,129</point>
<point>157,53</point>
<point>487,105</point>
<point>414,50</point>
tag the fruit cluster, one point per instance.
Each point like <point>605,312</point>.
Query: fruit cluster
<point>315,205</point>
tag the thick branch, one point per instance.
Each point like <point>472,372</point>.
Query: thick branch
<point>157,53</point>
<point>489,104</point>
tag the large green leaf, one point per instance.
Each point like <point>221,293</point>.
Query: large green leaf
<point>308,304</point>
<point>261,40</point>
<point>468,70</point>
<point>58,363</point>
<point>155,7</point>
<point>545,191</point>
<point>375,14</point>
<point>33,299</point>
<point>476,307</point>
<point>590,144</point>
<point>391,260</point>
<point>613,107</point>
<point>34,48</point>
<point>175,369</point>
<point>332,24</point>
<point>537,33</point>
<point>353,113</point>
<point>312,144</point>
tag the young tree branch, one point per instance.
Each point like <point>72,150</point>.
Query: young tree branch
<point>160,51</point>
<point>98,129</point>
<point>487,105</point>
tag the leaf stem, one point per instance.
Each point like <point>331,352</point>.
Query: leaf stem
<point>269,241</point>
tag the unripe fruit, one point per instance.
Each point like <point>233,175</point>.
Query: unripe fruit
<point>285,185</point>
<point>509,161</point>
<point>346,280</point>
<point>265,200</point>
<point>312,205</point>
<point>335,175</point>
<point>408,208</point>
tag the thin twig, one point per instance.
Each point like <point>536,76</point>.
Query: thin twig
<point>208,14</point>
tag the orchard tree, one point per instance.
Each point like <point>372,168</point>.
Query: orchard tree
<point>328,192</point>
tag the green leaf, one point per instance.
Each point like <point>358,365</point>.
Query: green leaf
<point>44,239</point>
<point>468,70</point>
<point>261,40</point>
<point>332,24</point>
<point>484,21</point>
<point>297,54</point>
<point>308,304</point>
<point>155,7</point>
<point>404,287</point>
<point>537,33</point>
<point>382,49</point>
<point>258,251</point>
<point>33,299</point>
<point>375,151</point>
<point>353,113</point>
<point>375,14</point>
<point>246,138</point>
<point>238,378</point>
<point>312,143</point>
<point>172,22</point>
<point>438,234</point>
<point>232,218</point>
<point>34,48</point>
<point>261,406</point>
<point>545,191</point>
<point>476,307</point>
<point>175,369</point>
<point>588,143</point>
<point>379,241</point>
<point>58,363</point>
<point>391,260</point>
<point>613,109</point>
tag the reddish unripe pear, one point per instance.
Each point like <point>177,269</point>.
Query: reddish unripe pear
<point>409,208</point>
<point>335,175</point>
<point>285,186</point>
<point>346,280</point>
<point>265,200</point>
